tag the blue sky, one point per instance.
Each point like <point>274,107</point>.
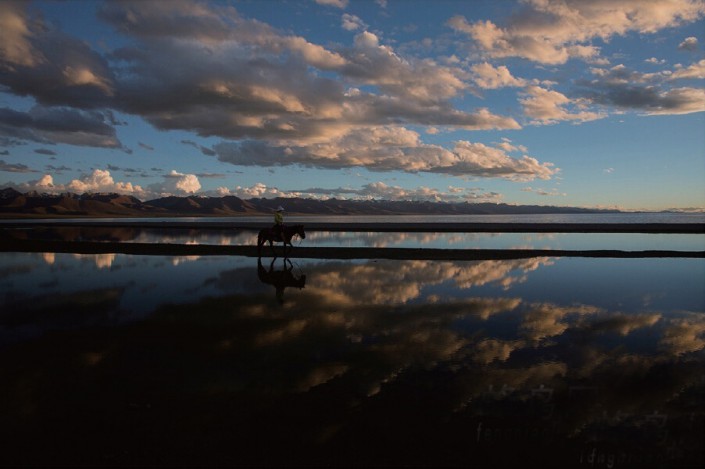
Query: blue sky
<point>572,103</point>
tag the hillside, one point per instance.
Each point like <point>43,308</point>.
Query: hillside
<point>14,204</point>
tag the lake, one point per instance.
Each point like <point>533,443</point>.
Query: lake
<point>117,359</point>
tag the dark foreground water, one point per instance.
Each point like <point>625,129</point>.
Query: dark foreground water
<point>147,360</point>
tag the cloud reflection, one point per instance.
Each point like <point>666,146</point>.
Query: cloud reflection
<point>370,350</point>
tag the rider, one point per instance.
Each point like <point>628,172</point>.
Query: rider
<point>278,228</point>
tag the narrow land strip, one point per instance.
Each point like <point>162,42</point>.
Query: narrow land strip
<point>162,249</point>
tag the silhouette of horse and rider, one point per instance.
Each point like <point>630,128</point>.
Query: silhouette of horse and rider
<point>279,233</point>
<point>280,279</point>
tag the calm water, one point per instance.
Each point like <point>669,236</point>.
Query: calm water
<point>150,360</point>
<point>232,237</point>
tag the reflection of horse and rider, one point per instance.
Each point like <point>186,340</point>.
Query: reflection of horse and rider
<point>280,279</point>
<point>279,233</point>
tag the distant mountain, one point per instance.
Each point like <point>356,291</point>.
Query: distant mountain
<point>17,204</point>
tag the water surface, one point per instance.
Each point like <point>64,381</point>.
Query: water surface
<point>118,359</point>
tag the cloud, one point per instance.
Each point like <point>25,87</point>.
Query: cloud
<point>371,191</point>
<point>689,44</point>
<point>554,31</point>
<point>256,191</point>
<point>37,59</point>
<point>244,80</point>
<point>333,3</point>
<point>694,71</point>
<point>205,150</point>
<point>544,192</point>
<point>684,335</point>
<point>489,77</point>
<point>15,37</point>
<point>145,146</point>
<point>352,23</point>
<point>101,181</point>
<point>652,93</point>
<point>176,183</point>
<point>45,151</point>
<point>386,149</point>
<point>97,181</point>
<point>549,107</point>
<point>15,168</point>
<point>60,125</point>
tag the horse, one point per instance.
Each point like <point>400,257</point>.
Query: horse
<point>288,232</point>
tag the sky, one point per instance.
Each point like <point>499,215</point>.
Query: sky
<point>587,103</point>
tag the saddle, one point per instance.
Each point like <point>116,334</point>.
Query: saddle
<point>277,234</point>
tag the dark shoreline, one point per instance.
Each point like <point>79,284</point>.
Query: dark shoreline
<point>160,249</point>
<point>665,228</point>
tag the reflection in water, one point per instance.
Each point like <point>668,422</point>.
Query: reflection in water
<point>372,363</point>
<point>280,279</point>
<point>231,237</point>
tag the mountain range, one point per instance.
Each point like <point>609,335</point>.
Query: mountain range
<point>15,204</point>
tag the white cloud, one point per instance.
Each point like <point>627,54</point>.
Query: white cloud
<point>371,191</point>
<point>696,70</point>
<point>550,107</point>
<point>689,44</point>
<point>490,77</point>
<point>98,180</point>
<point>178,183</point>
<point>352,23</point>
<point>101,181</point>
<point>554,31</point>
<point>388,149</point>
<point>333,3</point>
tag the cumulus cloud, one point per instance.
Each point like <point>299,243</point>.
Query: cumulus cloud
<point>549,107</point>
<point>389,148</point>
<point>101,181</point>
<point>240,79</point>
<point>689,44</point>
<point>489,77</point>
<point>693,71</point>
<point>554,31</point>
<point>98,180</point>
<point>177,183</point>
<point>371,191</point>
<point>257,191</point>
